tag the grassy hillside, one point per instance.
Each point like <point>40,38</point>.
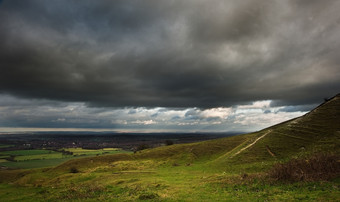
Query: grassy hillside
<point>318,130</point>
<point>232,168</point>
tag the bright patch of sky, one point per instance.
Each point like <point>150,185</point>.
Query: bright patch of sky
<point>44,114</point>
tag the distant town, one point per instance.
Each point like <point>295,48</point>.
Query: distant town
<point>130,141</point>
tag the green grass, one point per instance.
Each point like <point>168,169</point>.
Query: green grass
<point>82,152</point>
<point>27,152</point>
<point>6,145</point>
<point>37,163</point>
<point>13,193</point>
<point>4,156</point>
<point>156,180</point>
<point>55,155</point>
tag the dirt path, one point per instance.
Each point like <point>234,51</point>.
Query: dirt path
<point>241,150</point>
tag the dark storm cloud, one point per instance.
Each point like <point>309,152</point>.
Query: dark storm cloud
<point>170,53</point>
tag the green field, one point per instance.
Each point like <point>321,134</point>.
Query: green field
<point>27,152</point>
<point>55,155</point>
<point>38,163</point>
<point>39,158</point>
<point>82,152</point>
<point>6,145</point>
<point>131,177</point>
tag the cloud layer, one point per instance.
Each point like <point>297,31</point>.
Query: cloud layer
<point>185,54</point>
<point>48,114</point>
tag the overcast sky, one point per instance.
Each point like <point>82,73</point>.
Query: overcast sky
<point>166,65</point>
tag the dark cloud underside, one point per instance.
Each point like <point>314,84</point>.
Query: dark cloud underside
<point>170,53</point>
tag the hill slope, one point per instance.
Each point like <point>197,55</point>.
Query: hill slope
<point>316,131</point>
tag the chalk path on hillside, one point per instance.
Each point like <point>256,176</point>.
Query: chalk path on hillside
<point>241,150</point>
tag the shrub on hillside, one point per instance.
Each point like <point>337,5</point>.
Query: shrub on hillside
<point>169,142</point>
<point>74,170</point>
<point>142,147</point>
<point>148,196</point>
<point>317,167</point>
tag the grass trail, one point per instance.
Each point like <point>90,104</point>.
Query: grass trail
<point>241,150</point>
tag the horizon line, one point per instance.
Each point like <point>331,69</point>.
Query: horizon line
<point>10,130</point>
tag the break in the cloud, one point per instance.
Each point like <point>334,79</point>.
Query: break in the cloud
<point>44,114</point>
<point>194,56</point>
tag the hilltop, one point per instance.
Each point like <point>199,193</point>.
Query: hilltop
<point>231,168</point>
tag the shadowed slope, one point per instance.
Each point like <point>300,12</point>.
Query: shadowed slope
<point>318,130</point>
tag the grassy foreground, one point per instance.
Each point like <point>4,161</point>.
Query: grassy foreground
<point>159,180</point>
<point>239,168</point>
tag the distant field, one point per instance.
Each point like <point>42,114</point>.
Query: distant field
<point>27,152</point>
<point>82,152</point>
<point>4,156</point>
<point>41,163</point>
<point>5,145</point>
<point>55,155</point>
<point>45,158</point>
